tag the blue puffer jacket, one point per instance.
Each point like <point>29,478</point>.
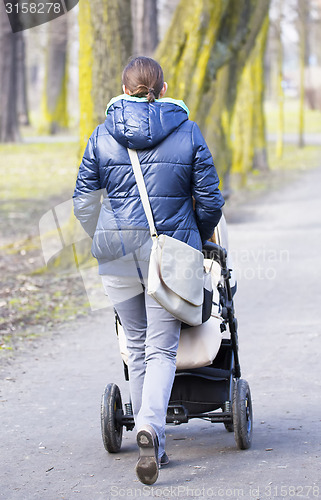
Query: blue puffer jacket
<point>176,163</point>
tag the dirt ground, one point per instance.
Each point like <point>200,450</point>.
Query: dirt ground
<point>51,445</point>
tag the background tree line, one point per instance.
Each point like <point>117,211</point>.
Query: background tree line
<point>218,55</point>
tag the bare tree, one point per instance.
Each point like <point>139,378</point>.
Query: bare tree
<point>105,35</point>
<point>166,9</point>
<point>303,8</point>
<point>145,26</point>
<point>54,101</point>
<point>313,87</point>
<point>9,127</point>
<point>280,130</point>
<point>23,107</point>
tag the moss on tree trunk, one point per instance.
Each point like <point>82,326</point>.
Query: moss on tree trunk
<point>203,55</point>
<point>105,36</point>
<point>248,127</point>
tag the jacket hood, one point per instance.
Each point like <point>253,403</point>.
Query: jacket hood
<point>137,124</point>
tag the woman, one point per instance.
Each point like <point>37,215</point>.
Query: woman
<point>177,167</point>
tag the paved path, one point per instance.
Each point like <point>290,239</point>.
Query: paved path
<point>310,139</point>
<point>48,139</point>
<point>51,445</point>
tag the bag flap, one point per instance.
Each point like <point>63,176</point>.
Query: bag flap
<point>181,269</point>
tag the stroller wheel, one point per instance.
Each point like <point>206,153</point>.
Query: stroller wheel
<point>242,414</point>
<point>111,408</point>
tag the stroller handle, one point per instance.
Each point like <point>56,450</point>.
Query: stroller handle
<point>213,251</point>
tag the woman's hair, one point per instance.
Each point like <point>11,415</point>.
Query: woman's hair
<point>143,77</point>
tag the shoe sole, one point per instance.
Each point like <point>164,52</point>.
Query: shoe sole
<point>147,465</point>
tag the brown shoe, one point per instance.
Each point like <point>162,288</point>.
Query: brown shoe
<point>147,465</point>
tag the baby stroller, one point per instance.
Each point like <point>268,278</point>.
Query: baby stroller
<point>214,392</point>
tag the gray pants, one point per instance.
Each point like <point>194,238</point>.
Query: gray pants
<point>152,339</point>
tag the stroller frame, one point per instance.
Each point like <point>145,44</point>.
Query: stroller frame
<point>222,396</point>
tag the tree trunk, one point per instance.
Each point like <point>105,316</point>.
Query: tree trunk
<point>303,16</point>
<point>166,9</point>
<point>105,45</point>
<point>9,127</point>
<point>260,158</point>
<point>54,102</point>
<point>23,108</point>
<point>249,144</point>
<point>203,55</point>
<point>280,131</point>
<point>145,27</point>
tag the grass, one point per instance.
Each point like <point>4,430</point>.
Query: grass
<point>294,158</point>
<point>35,178</point>
<point>37,170</point>
<point>281,171</point>
<point>291,117</point>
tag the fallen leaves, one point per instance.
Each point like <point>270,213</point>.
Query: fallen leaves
<point>30,300</point>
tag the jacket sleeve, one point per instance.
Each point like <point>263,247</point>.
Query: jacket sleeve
<point>205,182</point>
<point>87,194</point>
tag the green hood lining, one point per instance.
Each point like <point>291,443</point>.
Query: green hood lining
<point>127,97</point>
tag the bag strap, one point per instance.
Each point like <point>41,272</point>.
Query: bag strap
<point>133,156</point>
